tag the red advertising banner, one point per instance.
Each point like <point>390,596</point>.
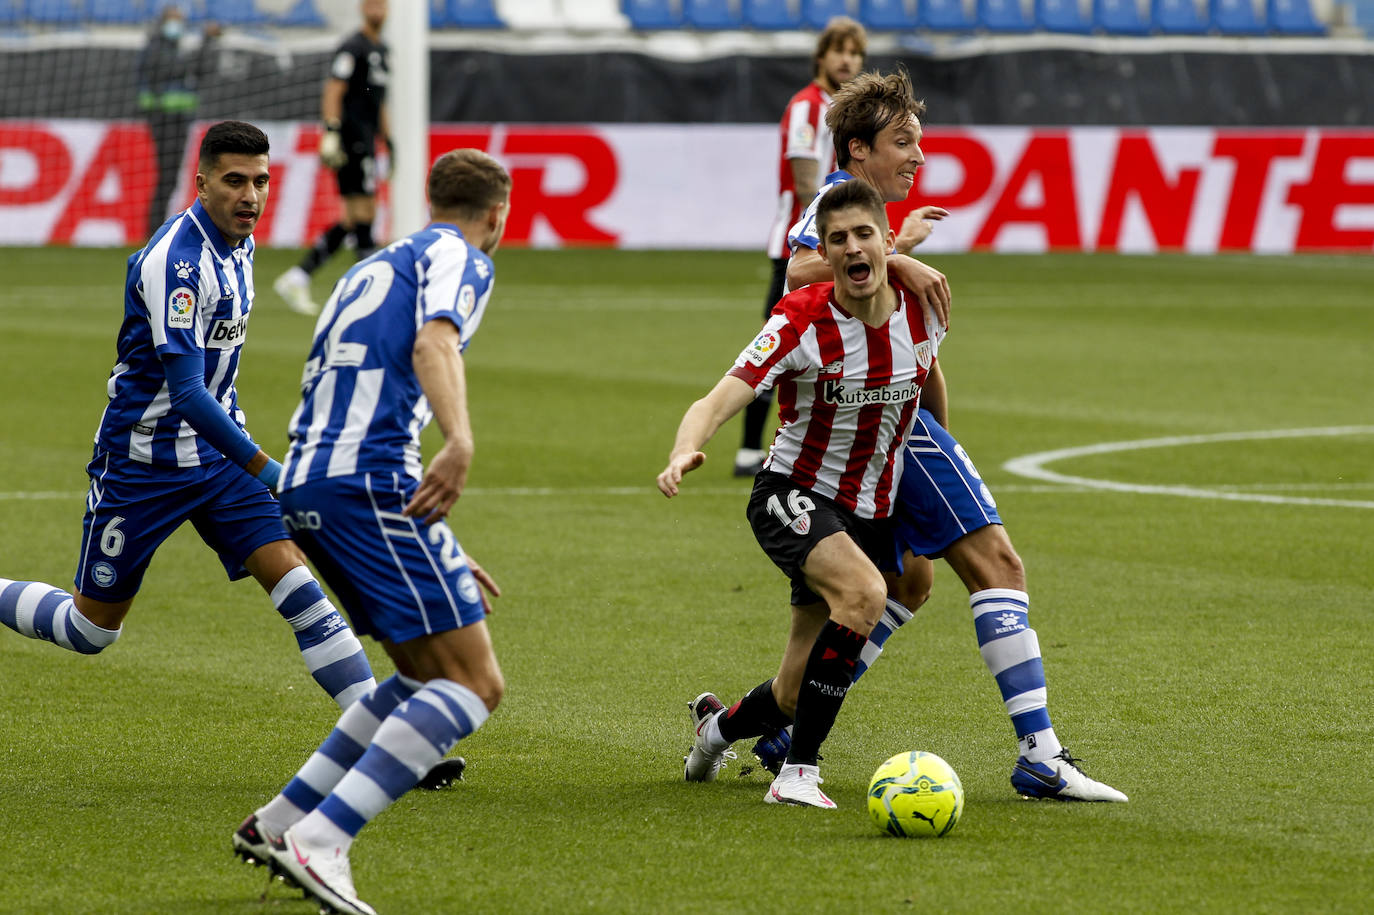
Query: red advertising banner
<point>1021,189</point>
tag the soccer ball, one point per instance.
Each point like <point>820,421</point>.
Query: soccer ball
<point>915,794</point>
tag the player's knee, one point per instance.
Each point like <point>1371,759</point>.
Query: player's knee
<point>861,605</point>
<point>490,689</point>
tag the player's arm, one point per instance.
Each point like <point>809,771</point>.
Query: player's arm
<point>917,226</point>
<point>806,266</point>
<point>701,421</point>
<point>806,176</point>
<point>190,399</point>
<point>934,395</point>
<point>331,112</point>
<point>439,369</point>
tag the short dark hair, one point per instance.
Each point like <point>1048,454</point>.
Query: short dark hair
<point>467,181</point>
<point>846,194</point>
<point>229,137</point>
<point>866,104</point>
<point>837,31</point>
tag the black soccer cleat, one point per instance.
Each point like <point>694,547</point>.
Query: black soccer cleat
<point>444,773</point>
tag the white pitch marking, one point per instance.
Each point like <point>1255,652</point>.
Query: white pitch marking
<point>1033,466</point>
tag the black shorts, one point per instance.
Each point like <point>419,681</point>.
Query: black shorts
<point>789,520</point>
<point>358,176</point>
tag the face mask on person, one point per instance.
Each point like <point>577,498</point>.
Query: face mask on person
<point>171,29</point>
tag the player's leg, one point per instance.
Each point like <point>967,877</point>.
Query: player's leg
<point>67,619</point>
<point>360,210</point>
<point>749,457</point>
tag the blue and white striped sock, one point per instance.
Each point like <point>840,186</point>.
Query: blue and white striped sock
<point>332,653</point>
<point>41,611</point>
<point>1011,651</point>
<point>408,744</point>
<point>894,615</point>
<point>341,749</point>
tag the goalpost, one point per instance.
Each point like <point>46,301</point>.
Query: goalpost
<point>408,99</point>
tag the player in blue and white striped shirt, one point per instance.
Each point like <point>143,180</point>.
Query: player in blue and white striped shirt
<point>387,358</point>
<point>171,446</point>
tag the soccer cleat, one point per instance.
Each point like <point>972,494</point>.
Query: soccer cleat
<point>1060,779</point>
<point>799,785</point>
<point>294,287</point>
<point>748,462</point>
<point>444,773</point>
<point>771,750</point>
<point>252,842</point>
<point>322,873</point>
<point>704,762</point>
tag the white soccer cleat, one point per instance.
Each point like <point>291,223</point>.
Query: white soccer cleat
<point>800,785</point>
<point>294,287</point>
<point>705,760</point>
<point>323,873</point>
<point>1059,778</point>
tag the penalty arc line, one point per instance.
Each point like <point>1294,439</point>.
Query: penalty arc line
<point>1032,466</point>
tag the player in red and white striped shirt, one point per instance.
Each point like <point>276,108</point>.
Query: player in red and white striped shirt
<point>808,155</point>
<point>848,360</point>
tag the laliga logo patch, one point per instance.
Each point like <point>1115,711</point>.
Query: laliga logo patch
<point>467,300</point>
<point>180,304</point>
<point>757,352</point>
<point>923,354</point>
<point>183,269</point>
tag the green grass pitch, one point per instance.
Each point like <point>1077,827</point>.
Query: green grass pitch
<point>1212,657</point>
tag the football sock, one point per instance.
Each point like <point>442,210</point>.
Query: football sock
<point>329,241</point>
<point>412,739</point>
<point>828,675</point>
<point>894,615</point>
<point>757,713</point>
<point>341,749</point>
<point>331,651</point>
<point>41,611</point>
<point>362,235</point>
<point>1011,651</point>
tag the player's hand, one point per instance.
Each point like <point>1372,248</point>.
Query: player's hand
<point>331,149</point>
<point>442,483</point>
<point>918,225</point>
<point>925,282</point>
<point>671,476</point>
<point>489,585</point>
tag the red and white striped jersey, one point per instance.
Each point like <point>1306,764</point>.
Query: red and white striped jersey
<point>804,136</point>
<point>847,393</point>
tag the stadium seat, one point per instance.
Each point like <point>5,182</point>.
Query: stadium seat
<point>710,14</point>
<point>236,12</point>
<point>653,14</point>
<point>1236,17</point>
<point>117,12</point>
<point>945,16</point>
<point>1120,17</point>
<point>10,13</point>
<point>474,14</point>
<point>816,13</point>
<point>1063,16</point>
<point>887,15</point>
<point>1293,17</point>
<point>302,15</point>
<point>55,12</point>
<point>1003,16</point>
<point>1178,17</point>
<point>770,14</point>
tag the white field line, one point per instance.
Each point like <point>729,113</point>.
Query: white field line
<point>1033,466</point>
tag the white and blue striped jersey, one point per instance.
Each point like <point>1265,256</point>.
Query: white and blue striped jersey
<point>804,233</point>
<point>362,409</point>
<point>187,291</point>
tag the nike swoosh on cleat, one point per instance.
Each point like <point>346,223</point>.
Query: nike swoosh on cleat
<point>1043,779</point>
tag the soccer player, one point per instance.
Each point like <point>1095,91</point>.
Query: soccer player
<point>849,358</point>
<point>387,357</point>
<point>943,506</point>
<point>171,445</point>
<point>807,154</point>
<point>355,115</point>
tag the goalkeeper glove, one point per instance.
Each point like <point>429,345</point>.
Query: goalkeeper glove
<point>331,146</point>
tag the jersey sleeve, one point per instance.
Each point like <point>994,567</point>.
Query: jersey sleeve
<point>174,289</point>
<point>801,130</point>
<point>343,65</point>
<point>771,353</point>
<point>457,285</point>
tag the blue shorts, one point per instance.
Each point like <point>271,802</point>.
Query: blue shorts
<point>132,508</point>
<point>941,497</point>
<point>397,578</point>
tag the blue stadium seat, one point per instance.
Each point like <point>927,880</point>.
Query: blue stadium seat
<point>711,14</point>
<point>302,15</point>
<point>652,14</point>
<point>55,12</point>
<point>1178,17</point>
<point>1236,17</point>
<point>1063,16</point>
<point>945,16</point>
<point>1120,17</point>
<point>10,13</point>
<point>236,12</point>
<point>118,12</point>
<point>816,13</point>
<point>474,14</point>
<point>887,15</point>
<point>1293,17</point>
<point>1003,16</point>
<point>770,14</point>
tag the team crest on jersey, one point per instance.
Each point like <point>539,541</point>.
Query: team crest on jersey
<point>183,269</point>
<point>757,352</point>
<point>467,301</point>
<point>180,305</point>
<point>802,523</point>
<point>923,354</point>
